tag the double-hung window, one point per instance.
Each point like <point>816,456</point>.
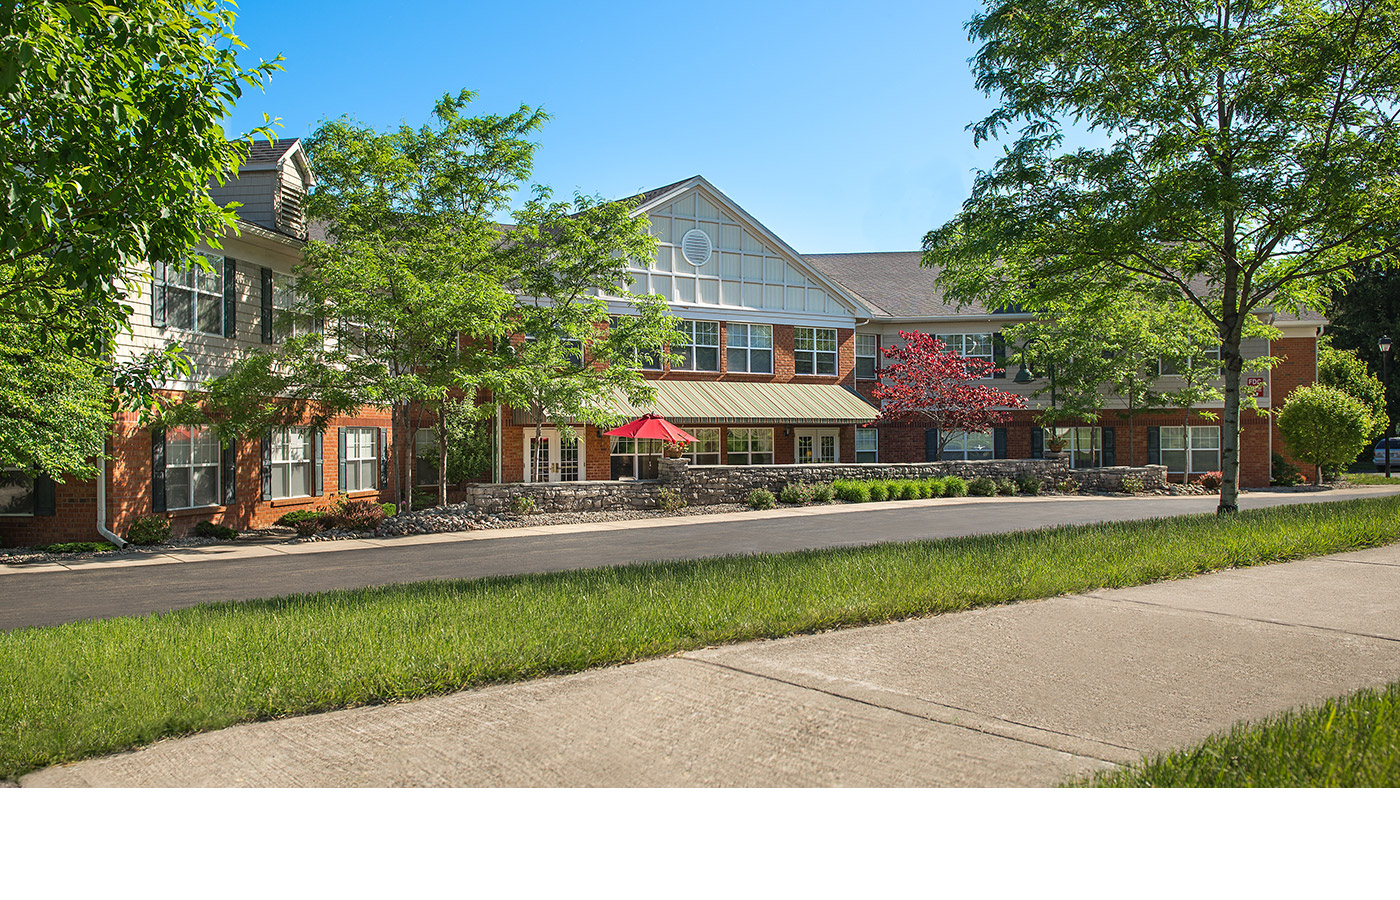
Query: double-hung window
<point>750,446</point>
<point>705,450</point>
<point>16,492</point>
<point>814,351</point>
<point>867,352</point>
<point>1198,446</point>
<point>191,299</point>
<point>700,352</point>
<point>193,461</point>
<point>749,348</point>
<point>287,321</point>
<point>360,460</point>
<point>966,445</point>
<point>974,346</point>
<point>291,462</point>
<point>867,445</point>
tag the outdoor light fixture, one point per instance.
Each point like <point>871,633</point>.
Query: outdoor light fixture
<point>1384,345</point>
<point>1025,375</point>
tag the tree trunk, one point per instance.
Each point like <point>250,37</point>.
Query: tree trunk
<point>1230,424</point>
<point>535,450</point>
<point>442,455</point>
<point>395,419</point>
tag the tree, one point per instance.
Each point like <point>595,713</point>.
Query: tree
<point>1363,312</point>
<point>1344,370</point>
<point>1324,426</point>
<point>927,383</point>
<point>1249,158</point>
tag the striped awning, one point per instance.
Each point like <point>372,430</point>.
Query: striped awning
<point>740,402</point>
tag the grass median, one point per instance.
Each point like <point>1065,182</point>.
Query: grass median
<point>89,688</point>
<point>1352,741</point>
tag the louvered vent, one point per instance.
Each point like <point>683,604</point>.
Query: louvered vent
<point>696,247</point>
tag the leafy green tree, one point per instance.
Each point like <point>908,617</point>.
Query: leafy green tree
<point>1344,370</point>
<point>1324,426</point>
<point>1248,160</point>
<point>110,132</point>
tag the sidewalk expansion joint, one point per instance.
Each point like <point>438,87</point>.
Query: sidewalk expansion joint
<point>1239,618</point>
<point>1360,562</point>
<point>951,723</point>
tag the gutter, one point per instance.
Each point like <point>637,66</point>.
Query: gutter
<point>102,501</point>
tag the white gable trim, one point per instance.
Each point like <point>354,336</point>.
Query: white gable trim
<point>857,308</point>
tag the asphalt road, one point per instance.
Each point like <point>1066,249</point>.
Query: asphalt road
<point>50,598</point>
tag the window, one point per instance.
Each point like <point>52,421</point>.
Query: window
<point>354,338</point>
<point>978,345</point>
<point>193,458</point>
<point>644,361</point>
<point>750,348</point>
<point>1168,367</point>
<point>284,303</point>
<point>291,463</point>
<point>814,351</point>
<point>1085,445</point>
<point>359,461</point>
<point>750,446</point>
<point>700,352</point>
<point>638,458</point>
<point>191,299</point>
<point>867,445</point>
<point>867,352</point>
<point>425,459</point>
<point>1199,445</point>
<point>705,450</point>
<point>969,445</point>
<point>16,492</point>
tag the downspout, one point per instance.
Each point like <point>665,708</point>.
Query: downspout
<point>102,500</point>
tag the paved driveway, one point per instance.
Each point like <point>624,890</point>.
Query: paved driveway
<point>114,587</point>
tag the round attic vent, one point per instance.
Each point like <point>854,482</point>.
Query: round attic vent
<point>696,247</point>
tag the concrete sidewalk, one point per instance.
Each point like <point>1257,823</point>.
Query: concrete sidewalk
<point>1019,695</point>
<point>100,588</point>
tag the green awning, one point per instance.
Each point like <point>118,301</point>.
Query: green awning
<point>741,402</point>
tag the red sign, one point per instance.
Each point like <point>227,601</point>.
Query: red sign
<point>1256,386</point>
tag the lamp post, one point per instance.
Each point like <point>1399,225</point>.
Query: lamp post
<point>1384,345</point>
<point>1026,376</point>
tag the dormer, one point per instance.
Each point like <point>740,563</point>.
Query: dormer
<point>271,186</point>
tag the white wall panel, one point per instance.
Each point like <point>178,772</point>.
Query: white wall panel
<point>709,291</point>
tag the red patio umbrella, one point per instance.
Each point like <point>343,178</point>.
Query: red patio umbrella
<point>654,427</point>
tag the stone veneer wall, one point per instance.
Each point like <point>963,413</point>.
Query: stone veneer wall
<point>706,485</point>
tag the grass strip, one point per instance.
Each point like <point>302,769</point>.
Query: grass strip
<point>89,688</point>
<point>1351,741</point>
<point>1374,479</point>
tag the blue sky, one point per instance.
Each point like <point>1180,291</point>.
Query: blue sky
<point>839,126</point>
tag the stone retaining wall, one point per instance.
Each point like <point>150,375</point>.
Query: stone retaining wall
<point>706,485</point>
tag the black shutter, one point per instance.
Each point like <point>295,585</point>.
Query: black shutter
<point>157,296</point>
<point>1110,457</point>
<point>1037,443</point>
<point>158,469</point>
<point>45,499</point>
<point>383,458</point>
<point>340,485</point>
<point>930,445</point>
<point>230,296</point>
<point>230,473</point>
<point>1154,445</point>
<point>999,357</point>
<point>999,443</point>
<point>266,305</point>
<point>317,465</point>
<point>267,465</point>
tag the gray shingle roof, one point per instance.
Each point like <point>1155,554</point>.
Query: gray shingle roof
<point>891,284</point>
<point>270,151</point>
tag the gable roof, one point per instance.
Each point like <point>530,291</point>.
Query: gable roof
<point>893,284</point>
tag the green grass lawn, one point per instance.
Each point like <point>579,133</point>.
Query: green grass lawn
<point>1373,477</point>
<point>90,688</point>
<point>1348,742</point>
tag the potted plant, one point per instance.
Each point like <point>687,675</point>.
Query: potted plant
<point>1055,442</point>
<point>674,449</point>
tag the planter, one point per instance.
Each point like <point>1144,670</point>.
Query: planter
<point>1055,454</point>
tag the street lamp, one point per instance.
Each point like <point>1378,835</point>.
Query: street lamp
<point>1384,345</point>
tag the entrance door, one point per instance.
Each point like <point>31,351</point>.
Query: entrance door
<point>559,459</point>
<point>816,445</point>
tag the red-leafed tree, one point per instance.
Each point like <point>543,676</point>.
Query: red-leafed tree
<point>926,383</point>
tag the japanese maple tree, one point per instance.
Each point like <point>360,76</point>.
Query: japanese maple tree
<point>925,382</point>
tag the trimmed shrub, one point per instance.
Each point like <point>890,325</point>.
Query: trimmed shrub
<point>219,532</point>
<point>953,486</point>
<point>390,509</point>
<point>77,547</point>
<point>523,506</point>
<point>981,486</point>
<point>1028,484</point>
<point>793,493</point>
<point>1132,484</point>
<point>1006,487</point>
<point>925,488</point>
<point>1323,426</point>
<point>424,499</point>
<point>761,499</point>
<point>1211,481</point>
<point>852,491</point>
<point>821,493</point>
<point>356,515</point>
<point>297,516</point>
<point>1285,474</point>
<point>148,530</point>
<point>670,500</point>
<point>908,490</point>
<point>879,491</point>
